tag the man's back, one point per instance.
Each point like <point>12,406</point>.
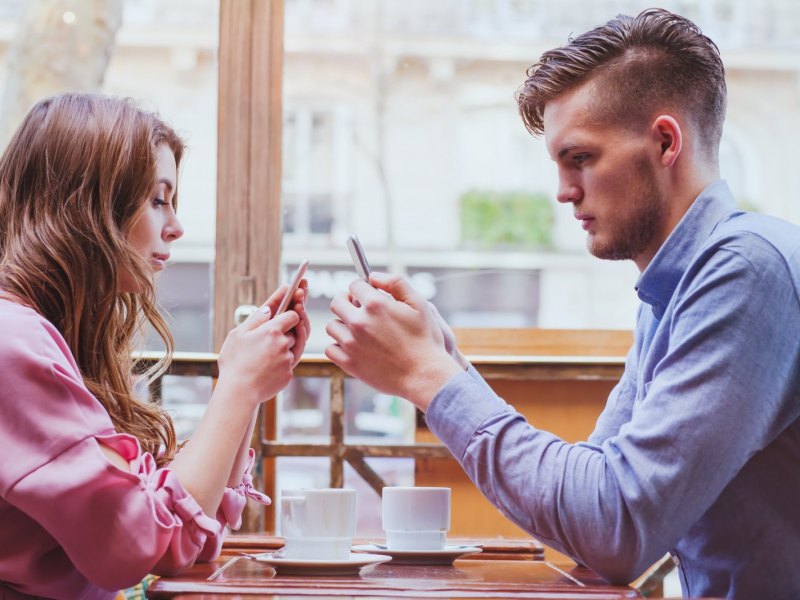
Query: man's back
<point>715,366</point>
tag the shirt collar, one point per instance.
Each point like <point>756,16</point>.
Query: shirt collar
<point>658,281</point>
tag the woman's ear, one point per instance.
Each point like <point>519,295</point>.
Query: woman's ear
<point>667,133</point>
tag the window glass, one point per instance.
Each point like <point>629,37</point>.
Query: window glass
<point>162,54</point>
<point>165,58</point>
<point>401,116</point>
<point>404,130</point>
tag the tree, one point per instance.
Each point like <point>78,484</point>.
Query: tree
<point>60,45</point>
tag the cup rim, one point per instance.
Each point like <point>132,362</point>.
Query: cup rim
<point>412,487</point>
<point>299,492</point>
<point>316,538</point>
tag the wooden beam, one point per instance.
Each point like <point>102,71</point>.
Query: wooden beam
<point>499,367</point>
<point>545,342</point>
<point>247,259</point>
<point>337,431</point>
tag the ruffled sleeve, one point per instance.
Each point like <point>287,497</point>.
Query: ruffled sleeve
<point>115,526</point>
<point>231,508</point>
<point>81,512</point>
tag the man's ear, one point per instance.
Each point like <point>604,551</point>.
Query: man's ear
<point>667,133</point>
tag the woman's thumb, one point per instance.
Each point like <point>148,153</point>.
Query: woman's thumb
<point>260,315</point>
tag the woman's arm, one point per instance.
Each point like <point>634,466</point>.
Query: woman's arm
<point>239,465</point>
<point>301,333</point>
<point>256,362</point>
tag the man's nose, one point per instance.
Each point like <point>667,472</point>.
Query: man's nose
<point>569,192</point>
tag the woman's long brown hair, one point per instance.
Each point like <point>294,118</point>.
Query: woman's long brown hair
<point>75,177</point>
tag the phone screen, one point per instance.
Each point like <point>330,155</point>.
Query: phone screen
<point>358,257</point>
<point>298,277</point>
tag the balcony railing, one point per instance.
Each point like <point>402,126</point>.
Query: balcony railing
<point>598,368</point>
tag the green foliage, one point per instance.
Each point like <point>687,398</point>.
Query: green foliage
<point>506,219</point>
<point>749,205</point>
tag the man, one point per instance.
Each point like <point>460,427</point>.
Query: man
<point>698,449</point>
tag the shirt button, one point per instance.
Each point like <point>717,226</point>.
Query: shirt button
<point>676,560</point>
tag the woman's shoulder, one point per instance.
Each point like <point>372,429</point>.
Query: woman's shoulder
<point>45,406</point>
<point>28,336</point>
<point>16,316</point>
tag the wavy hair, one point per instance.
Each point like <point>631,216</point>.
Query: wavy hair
<point>640,64</point>
<point>76,175</point>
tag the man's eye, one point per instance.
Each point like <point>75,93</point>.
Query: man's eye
<point>580,158</point>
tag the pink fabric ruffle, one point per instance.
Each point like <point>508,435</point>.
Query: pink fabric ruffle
<point>171,504</point>
<point>234,499</point>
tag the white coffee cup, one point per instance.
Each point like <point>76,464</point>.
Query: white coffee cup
<point>318,524</point>
<point>416,518</point>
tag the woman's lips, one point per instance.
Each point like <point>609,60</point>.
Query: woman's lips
<point>159,260</point>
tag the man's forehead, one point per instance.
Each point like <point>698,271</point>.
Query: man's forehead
<point>565,120</point>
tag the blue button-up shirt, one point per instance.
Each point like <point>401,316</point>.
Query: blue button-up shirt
<point>698,449</point>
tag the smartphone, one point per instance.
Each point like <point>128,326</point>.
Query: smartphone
<point>359,258</point>
<point>287,297</point>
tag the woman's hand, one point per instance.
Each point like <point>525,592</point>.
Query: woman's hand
<point>302,330</point>
<point>255,363</point>
<point>258,356</point>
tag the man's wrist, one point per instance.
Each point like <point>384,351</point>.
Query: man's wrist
<point>426,382</point>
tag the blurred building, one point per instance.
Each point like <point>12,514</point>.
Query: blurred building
<point>401,126</point>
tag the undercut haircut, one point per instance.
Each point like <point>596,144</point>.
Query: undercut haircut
<point>656,61</point>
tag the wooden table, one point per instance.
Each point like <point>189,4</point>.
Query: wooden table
<point>472,577</point>
<point>493,549</point>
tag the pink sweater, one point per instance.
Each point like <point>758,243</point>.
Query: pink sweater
<point>73,525</point>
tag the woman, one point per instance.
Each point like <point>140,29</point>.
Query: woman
<point>94,494</point>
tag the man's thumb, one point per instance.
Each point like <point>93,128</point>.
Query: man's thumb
<point>398,287</point>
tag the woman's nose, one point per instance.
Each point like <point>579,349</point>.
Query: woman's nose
<point>173,230</point>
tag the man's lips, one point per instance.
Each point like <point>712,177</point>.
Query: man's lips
<point>585,219</point>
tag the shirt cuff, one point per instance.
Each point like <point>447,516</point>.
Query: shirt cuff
<point>460,407</point>
<point>234,499</point>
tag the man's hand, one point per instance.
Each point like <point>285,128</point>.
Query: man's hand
<point>392,341</point>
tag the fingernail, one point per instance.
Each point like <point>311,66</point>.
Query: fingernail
<point>264,310</point>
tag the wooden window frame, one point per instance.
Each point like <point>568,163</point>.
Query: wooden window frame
<point>248,225</point>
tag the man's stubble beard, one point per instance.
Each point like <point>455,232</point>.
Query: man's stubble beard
<point>629,237</point>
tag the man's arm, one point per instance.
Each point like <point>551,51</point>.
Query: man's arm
<point>718,396</point>
<point>618,506</point>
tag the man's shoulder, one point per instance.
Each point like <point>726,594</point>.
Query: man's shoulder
<point>761,239</point>
<point>756,229</point>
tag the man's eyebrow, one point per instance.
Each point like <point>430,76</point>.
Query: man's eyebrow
<point>566,149</point>
<point>167,183</point>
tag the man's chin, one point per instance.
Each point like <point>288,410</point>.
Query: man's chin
<point>607,251</point>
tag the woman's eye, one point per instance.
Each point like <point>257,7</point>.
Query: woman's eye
<point>159,202</point>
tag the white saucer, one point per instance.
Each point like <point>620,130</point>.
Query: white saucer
<point>298,566</point>
<point>420,557</point>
